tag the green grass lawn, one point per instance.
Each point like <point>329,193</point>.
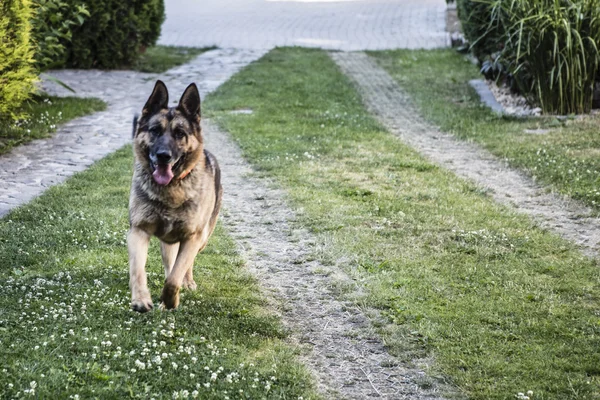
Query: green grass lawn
<point>45,114</point>
<point>567,159</point>
<point>159,59</point>
<point>66,328</point>
<point>503,306</point>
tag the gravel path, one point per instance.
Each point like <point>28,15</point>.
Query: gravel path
<point>28,170</point>
<point>390,104</point>
<point>347,357</point>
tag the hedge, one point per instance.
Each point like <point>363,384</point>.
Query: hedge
<point>115,33</point>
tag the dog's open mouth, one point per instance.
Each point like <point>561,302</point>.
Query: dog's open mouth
<point>163,173</point>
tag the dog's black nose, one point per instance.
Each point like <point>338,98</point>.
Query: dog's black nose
<point>163,156</point>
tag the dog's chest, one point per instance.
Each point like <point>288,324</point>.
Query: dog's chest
<point>173,226</point>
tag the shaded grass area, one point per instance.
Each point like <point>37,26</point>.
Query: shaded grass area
<point>503,306</point>
<point>45,114</point>
<point>159,59</point>
<point>65,324</point>
<point>567,158</point>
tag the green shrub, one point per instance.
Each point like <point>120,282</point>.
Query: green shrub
<point>17,72</point>
<point>52,25</point>
<point>551,49</point>
<point>115,34</point>
<point>483,32</point>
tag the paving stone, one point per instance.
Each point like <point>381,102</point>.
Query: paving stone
<point>340,25</point>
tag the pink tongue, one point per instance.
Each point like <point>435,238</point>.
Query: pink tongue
<point>163,174</point>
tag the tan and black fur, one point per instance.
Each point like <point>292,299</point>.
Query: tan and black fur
<point>175,194</point>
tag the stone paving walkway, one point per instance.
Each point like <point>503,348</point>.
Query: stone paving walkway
<point>30,169</point>
<point>341,25</point>
<point>385,99</point>
<point>253,25</point>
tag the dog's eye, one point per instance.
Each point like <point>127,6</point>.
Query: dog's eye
<point>180,134</point>
<point>155,130</point>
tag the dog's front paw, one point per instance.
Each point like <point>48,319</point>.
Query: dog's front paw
<point>142,305</point>
<point>170,296</point>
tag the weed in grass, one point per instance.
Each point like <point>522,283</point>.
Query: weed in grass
<point>565,158</point>
<point>503,306</point>
<point>66,328</point>
<point>45,113</point>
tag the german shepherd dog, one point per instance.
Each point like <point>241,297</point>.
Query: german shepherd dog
<point>175,194</point>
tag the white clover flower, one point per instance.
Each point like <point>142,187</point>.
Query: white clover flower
<point>207,385</point>
<point>195,394</point>
<point>174,365</point>
<point>140,364</point>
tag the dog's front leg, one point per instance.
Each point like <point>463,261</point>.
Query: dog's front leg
<point>137,245</point>
<point>188,249</point>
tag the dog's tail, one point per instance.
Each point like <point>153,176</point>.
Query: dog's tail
<point>135,121</point>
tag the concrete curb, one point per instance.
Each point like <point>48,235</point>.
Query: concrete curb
<point>486,95</point>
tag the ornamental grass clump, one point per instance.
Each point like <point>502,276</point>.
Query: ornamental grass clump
<point>551,49</point>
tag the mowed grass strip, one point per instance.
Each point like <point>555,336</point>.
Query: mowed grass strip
<point>45,113</point>
<point>503,306</point>
<point>66,329</point>
<point>159,58</point>
<point>566,157</point>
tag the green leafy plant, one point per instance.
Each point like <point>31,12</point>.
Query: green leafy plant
<point>17,72</point>
<point>548,49</point>
<point>52,29</point>
<point>551,48</point>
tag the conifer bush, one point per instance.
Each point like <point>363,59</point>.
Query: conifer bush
<point>17,71</point>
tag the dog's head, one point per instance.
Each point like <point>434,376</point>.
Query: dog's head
<point>168,141</point>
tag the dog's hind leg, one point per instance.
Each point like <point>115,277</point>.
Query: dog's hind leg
<point>169,255</point>
<point>137,245</point>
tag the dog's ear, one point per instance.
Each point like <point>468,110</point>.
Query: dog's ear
<point>158,100</point>
<point>190,102</point>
